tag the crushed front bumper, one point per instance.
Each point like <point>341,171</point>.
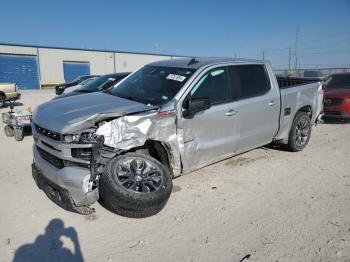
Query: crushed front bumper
<point>67,187</point>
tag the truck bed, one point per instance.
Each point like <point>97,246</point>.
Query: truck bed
<point>294,98</point>
<point>287,82</point>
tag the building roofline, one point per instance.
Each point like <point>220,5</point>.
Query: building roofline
<point>87,49</point>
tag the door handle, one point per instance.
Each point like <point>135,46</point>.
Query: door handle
<point>272,103</point>
<point>231,112</point>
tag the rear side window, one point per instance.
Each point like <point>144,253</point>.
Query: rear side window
<point>213,85</point>
<point>249,81</point>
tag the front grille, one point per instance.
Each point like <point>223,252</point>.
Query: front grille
<point>53,160</point>
<point>82,153</point>
<point>333,101</point>
<point>59,163</point>
<point>48,133</point>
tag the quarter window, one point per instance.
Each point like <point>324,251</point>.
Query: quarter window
<point>213,85</point>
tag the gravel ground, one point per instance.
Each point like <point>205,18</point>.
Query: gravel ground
<point>264,205</point>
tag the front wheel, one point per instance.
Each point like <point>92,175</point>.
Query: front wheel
<point>300,132</point>
<point>135,185</point>
<point>18,133</point>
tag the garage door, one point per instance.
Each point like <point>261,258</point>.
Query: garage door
<point>22,70</point>
<point>74,69</point>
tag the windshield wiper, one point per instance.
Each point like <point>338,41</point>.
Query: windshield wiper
<point>107,91</point>
<point>133,99</point>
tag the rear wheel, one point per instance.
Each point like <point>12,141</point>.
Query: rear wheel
<point>135,185</point>
<point>300,132</point>
<point>8,131</point>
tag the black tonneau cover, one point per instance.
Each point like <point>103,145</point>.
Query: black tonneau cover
<point>286,82</point>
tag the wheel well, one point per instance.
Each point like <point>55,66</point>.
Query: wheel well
<point>2,94</point>
<point>157,150</point>
<point>306,109</point>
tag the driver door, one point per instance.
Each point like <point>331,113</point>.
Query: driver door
<point>213,134</point>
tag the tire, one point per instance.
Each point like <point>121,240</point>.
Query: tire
<point>300,132</point>
<point>8,131</point>
<point>134,213</point>
<point>18,133</point>
<point>2,101</point>
<point>135,185</point>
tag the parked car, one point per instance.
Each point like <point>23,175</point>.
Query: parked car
<point>337,97</point>
<point>97,84</point>
<point>60,88</point>
<point>166,119</point>
<point>8,92</point>
<point>81,84</point>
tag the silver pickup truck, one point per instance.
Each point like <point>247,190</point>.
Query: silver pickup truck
<point>168,118</point>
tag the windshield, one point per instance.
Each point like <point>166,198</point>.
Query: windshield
<point>153,85</point>
<point>77,79</point>
<point>338,81</point>
<point>98,84</point>
<point>84,82</point>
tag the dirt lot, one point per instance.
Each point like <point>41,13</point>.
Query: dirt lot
<point>265,205</point>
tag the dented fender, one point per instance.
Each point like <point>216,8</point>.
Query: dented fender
<point>132,131</point>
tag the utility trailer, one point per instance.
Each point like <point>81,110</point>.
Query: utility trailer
<point>16,122</point>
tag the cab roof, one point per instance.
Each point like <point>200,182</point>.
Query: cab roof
<point>197,62</point>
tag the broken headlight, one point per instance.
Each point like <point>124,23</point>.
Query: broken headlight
<point>83,138</point>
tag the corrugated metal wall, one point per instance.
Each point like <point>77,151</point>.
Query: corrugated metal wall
<point>126,62</point>
<point>50,60</point>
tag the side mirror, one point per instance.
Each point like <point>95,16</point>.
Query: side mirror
<point>195,105</point>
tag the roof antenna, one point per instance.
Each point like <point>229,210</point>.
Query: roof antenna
<point>192,61</point>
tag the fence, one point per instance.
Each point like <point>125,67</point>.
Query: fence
<point>311,72</point>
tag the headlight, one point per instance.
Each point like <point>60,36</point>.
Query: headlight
<point>71,138</point>
<point>85,137</point>
<point>22,119</point>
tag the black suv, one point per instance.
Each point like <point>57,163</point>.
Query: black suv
<point>98,84</point>
<point>60,88</point>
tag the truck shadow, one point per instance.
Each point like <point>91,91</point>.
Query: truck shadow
<point>50,247</point>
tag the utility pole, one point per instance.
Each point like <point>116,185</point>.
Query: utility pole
<point>296,47</point>
<point>263,55</point>
<point>235,55</point>
<point>289,58</point>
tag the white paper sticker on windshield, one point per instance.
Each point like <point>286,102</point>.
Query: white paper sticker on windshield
<point>176,77</point>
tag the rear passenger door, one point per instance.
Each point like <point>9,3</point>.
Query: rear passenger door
<point>258,105</point>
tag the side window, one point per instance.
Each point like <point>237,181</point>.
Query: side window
<point>249,81</point>
<point>213,85</point>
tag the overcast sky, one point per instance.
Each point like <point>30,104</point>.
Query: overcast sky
<point>244,28</point>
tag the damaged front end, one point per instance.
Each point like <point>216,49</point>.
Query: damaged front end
<point>68,167</point>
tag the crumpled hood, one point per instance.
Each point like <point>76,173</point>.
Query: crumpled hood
<point>76,113</point>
